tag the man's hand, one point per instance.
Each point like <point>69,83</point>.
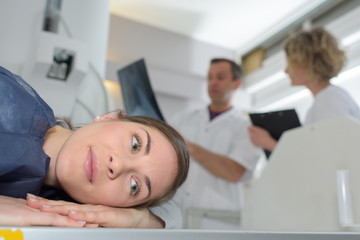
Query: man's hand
<point>15,212</point>
<point>98,215</point>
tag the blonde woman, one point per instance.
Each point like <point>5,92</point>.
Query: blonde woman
<point>313,58</point>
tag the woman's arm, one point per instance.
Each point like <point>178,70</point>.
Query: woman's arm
<point>99,215</point>
<point>15,212</point>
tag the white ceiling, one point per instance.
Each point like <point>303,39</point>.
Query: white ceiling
<point>233,24</point>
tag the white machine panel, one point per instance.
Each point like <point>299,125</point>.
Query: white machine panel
<point>298,189</point>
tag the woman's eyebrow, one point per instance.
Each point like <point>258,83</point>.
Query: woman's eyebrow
<point>147,151</point>
<point>148,184</point>
<point>148,143</point>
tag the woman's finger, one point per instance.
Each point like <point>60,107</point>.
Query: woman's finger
<point>53,219</point>
<point>37,202</point>
<point>111,217</point>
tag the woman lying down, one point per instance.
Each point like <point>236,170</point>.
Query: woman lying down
<point>107,173</point>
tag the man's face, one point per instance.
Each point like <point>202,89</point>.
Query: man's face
<point>221,84</point>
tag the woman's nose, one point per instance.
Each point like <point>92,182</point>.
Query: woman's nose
<point>115,166</point>
<point>286,70</point>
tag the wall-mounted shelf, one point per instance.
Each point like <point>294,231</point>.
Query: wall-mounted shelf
<point>56,67</point>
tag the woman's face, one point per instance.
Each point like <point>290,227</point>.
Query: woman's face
<point>297,73</point>
<point>116,163</point>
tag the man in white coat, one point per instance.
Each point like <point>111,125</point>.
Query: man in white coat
<point>222,155</point>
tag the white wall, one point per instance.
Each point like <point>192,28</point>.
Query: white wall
<point>17,22</point>
<point>177,65</point>
<point>87,20</point>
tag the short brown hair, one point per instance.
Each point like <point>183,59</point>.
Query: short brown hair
<point>236,69</point>
<point>182,153</point>
<point>317,51</point>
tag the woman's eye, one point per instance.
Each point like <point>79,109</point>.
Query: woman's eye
<point>134,187</point>
<point>136,144</point>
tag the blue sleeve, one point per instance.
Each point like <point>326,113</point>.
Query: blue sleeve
<point>22,110</point>
<point>24,121</point>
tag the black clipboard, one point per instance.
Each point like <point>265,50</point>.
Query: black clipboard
<point>276,122</point>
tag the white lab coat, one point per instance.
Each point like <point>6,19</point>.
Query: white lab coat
<point>330,102</point>
<point>227,135</point>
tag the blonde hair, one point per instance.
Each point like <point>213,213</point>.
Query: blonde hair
<point>317,51</point>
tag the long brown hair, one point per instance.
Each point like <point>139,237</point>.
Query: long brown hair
<point>182,153</point>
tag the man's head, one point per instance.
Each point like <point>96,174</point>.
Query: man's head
<point>223,79</point>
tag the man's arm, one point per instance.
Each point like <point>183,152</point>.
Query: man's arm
<point>218,165</point>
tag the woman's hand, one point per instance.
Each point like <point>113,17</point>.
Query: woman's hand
<point>15,212</point>
<point>98,215</point>
<point>261,138</point>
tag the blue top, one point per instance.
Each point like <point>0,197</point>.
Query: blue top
<point>24,121</point>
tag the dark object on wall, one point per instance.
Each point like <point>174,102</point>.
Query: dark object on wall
<point>61,67</point>
<point>51,18</point>
<point>138,96</point>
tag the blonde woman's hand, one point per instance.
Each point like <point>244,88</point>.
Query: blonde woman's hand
<point>261,138</point>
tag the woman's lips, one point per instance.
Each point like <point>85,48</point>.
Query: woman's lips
<point>91,166</point>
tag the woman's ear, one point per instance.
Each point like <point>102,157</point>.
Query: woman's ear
<point>105,117</point>
<point>108,116</point>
